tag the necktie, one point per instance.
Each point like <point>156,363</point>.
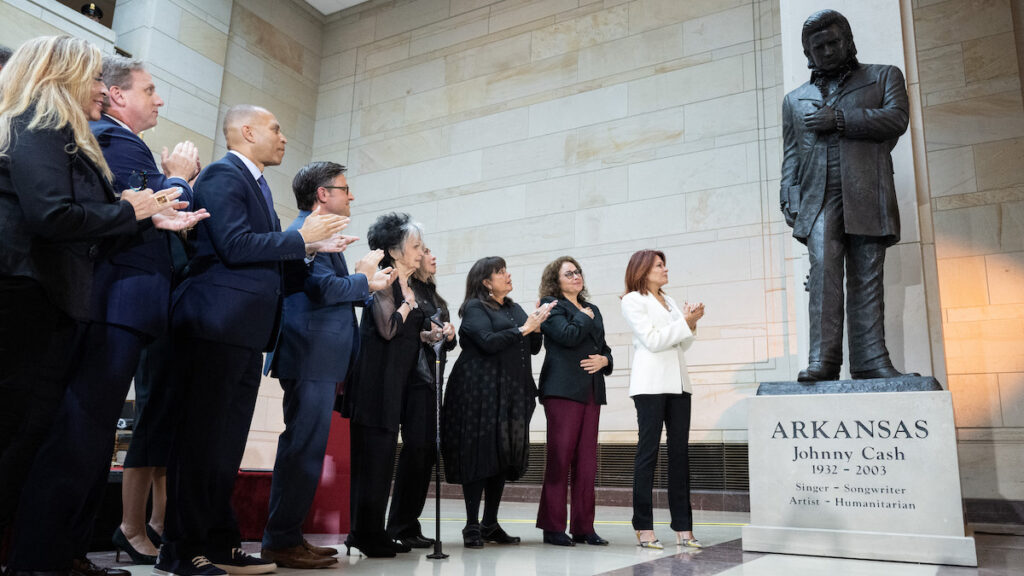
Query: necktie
<point>267,196</point>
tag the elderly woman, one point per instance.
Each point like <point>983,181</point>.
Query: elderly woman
<point>391,331</point>
<point>419,422</point>
<point>490,398</point>
<point>576,360</point>
<point>59,214</point>
<point>660,387</point>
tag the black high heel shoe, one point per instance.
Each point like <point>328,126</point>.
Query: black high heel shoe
<point>370,549</point>
<point>154,536</point>
<point>122,544</point>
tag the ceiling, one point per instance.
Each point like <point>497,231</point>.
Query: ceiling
<point>328,7</point>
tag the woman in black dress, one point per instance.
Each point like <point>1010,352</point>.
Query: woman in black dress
<point>390,336</point>
<point>490,398</point>
<point>419,422</point>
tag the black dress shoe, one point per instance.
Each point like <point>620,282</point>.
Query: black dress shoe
<point>818,371</point>
<point>471,536</point>
<point>557,538</point>
<point>122,544</point>
<point>495,533</point>
<point>399,546</point>
<point>85,567</point>
<point>416,541</point>
<point>883,372</point>
<point>13,572</point>
<point>593,539</point>
<point>377,548</point>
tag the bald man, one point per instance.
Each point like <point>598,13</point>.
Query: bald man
<point>224,316</point>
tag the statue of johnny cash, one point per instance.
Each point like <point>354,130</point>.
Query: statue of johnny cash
<point>838,195</point>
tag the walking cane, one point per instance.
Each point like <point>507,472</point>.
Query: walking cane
<point>438,382</point>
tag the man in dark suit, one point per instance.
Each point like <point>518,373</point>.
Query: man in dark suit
<point>319,340</point>
<point>224,315</point>
<point>129,307</point>
<point>838,194</point>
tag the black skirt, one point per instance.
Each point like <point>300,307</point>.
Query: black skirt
<point>486,422</point>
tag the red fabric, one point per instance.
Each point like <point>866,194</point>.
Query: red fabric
<point>330,511</point>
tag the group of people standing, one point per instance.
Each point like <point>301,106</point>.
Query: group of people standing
<point>184,289</point>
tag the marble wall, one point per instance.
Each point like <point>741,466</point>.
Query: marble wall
<point>532,129</point>
<point>970,89</point>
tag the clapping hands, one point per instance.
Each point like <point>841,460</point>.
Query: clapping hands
<point>693,313</point>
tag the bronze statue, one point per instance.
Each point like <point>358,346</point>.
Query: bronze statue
<point>838,195</point>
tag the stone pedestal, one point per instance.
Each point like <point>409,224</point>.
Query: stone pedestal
<point>869,475</point>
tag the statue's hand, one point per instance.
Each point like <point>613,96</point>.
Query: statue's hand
<point>822,120</point>
<point>788,214</point>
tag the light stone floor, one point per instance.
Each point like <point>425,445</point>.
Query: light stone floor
<point>719,531</point>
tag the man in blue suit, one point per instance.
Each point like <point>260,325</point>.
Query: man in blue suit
<point>224,316</point>
<point>319,340</point>
<point>130,303</point>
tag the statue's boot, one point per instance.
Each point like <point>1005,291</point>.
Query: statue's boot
<point>818,371</point>
<point>883,372</point>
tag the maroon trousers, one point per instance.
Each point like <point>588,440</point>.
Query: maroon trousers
<point>572,447</point>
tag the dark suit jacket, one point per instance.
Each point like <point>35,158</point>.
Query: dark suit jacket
<point>132,287</point>
<point>875,107</point>
<point>569,337</point>
<point>319,336</point>
<point>58,214</point>
<point>235,282</point>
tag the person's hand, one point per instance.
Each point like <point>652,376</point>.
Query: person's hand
<point>146,203</point>
<point>448,331</point>
<point>692,313</point>
<point>588,312</point>
<point>177,221</point>
<point>593,363</point>
<point>182,162</point>
<point>822,120</point>
<point>348,240</point>
<point>381,279</point>
<point>333,244</point>
<point>536,318</point>
<point>318,226</point>
<point>367,265</point>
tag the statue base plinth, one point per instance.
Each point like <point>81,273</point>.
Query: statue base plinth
<point>869,473</point>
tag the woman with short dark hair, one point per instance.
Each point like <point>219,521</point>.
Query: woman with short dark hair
<point>659,384</point>
<point>576,360</point>
<point>391,331</point>
<point>490,398</point>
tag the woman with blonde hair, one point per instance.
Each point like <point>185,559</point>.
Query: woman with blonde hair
<point>58,214</point>
<point>659,384</point>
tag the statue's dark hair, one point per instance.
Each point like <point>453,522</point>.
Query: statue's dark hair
<point>309,178</point>
<point>475,289</point>
<point>389,232</point>
<point>821,20</point>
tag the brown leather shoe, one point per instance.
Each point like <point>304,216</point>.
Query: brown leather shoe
<point>297,557</point>
<point>319,550</point>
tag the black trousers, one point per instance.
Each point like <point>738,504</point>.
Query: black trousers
<point>415,462</point>
<point>654,411</point>
<point>35,345</point>
<point>65,486</point>
<point>829,248</point>
<point>218,387</point>
<point>372,453</point>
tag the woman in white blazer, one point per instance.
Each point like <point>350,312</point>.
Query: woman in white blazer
<point>660,387</point>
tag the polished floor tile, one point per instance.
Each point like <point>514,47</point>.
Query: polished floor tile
<point>719,531</point>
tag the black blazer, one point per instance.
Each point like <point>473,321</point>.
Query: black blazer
<point>58,215</point>
<point>569,337</point>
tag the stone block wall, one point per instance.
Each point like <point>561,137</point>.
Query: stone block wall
<point>535,129</point>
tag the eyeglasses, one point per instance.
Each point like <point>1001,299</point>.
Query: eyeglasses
<point>342,188</point>
<point>572,274</point>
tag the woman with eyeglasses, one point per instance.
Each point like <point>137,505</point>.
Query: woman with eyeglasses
<point>490,398</point>
<point>659,384</point>
<point>576,360</point>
